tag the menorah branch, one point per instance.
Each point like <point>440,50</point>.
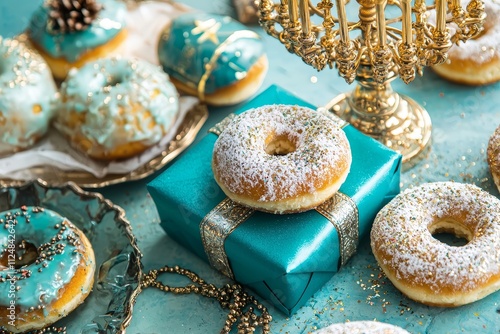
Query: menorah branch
<point>373,50</point>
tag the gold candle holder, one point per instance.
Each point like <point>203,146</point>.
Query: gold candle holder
<point>382,49</point>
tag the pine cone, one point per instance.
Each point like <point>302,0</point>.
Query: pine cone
<point>71,15</point>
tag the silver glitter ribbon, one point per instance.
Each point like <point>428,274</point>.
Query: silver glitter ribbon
<point>219,127</point>
<point>342,212</point>
<point>216,226</point>
<point>221,221</point>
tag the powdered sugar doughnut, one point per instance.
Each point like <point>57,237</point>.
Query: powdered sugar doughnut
<point>361,327</point>
<point>493,153</point>
<point>426,269</point>
<point>281,159</point>
<point>477,61</point>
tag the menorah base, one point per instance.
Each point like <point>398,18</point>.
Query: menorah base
<point>406,130</point>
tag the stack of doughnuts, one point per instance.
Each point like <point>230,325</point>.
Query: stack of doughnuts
<point>111,109</point>
<point>46,270</point>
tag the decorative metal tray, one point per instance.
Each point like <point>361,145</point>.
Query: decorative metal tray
<point>108,308</point>
<point>186,133</point>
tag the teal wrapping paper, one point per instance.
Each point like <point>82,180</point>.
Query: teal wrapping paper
<point>284,258</point>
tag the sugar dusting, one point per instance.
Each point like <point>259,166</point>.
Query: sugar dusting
<point>401,231</point>
<point>321,149</point>
<point>360,327</point>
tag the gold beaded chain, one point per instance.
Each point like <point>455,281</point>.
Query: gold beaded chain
<point>48,330</point>
<point>241,305</point>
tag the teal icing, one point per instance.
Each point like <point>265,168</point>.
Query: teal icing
<point>109,22</point>
<point>124,100</point>
<point>37,284</point>
<point>27,93</point>
<point>189,42</point>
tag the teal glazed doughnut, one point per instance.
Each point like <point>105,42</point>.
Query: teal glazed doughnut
<point>116,108</point>
<point>37,288</point>
<point>63,50</point>
<point>27,93</point>
<point>213,57</point>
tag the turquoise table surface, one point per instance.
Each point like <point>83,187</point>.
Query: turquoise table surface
<point>463,119</point>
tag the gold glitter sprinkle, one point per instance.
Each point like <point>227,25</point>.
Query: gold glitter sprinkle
<point>439,266</point>
<point>322,149</point>
<point>155,92</point>
<point>37,109</point>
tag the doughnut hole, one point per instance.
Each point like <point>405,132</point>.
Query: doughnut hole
<point>114,80</point>
<point>451,232</point>
<point>280,145</point>
<point>26,253</point>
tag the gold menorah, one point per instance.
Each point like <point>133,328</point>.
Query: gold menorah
<point>374,50</point>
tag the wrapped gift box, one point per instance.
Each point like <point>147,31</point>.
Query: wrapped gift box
<point>284,258</point>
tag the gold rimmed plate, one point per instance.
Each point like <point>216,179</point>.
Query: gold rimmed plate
<point>186,133</point>
<point>108,308</point>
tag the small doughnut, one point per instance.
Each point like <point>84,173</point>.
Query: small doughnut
<point>477,61</point>
<point>281,158</point>
<point>493,153</point>
<point>361,327</point>
<point>213,57</point>
<point>27,93</point>
<point>66,42</point>
<point>47,268</point>
<point>115,108</point>
<point>426,269</point>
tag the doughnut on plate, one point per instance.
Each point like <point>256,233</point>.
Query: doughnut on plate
<point>186,133</point>
<point>118,263</point>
